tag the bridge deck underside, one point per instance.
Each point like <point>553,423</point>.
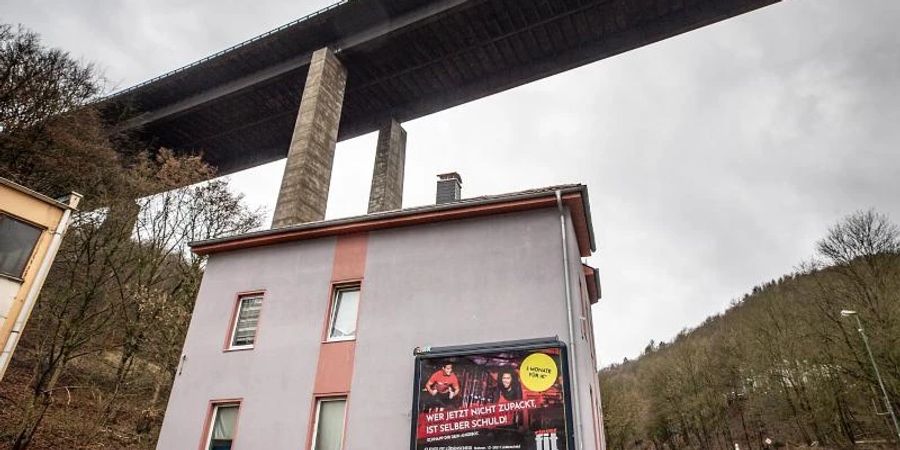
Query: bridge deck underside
<point>405,59</point>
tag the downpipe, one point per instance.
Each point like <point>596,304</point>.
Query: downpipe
<point>573,369</point>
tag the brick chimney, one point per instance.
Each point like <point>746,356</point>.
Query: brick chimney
<point>449,188</point>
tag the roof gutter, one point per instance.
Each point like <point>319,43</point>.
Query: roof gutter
<point>406,217</point>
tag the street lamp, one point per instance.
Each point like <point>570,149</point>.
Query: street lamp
<point>887,400</point>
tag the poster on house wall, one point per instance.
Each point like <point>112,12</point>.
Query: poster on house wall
<point>492,398</point>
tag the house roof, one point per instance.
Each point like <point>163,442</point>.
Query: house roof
<point>67,202</point>
<point>573,196</point>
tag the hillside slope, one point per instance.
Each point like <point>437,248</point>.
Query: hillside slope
<point>781,363</point>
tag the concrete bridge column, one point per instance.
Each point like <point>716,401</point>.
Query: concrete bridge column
<point>386,193</point>
<point>307,174</point>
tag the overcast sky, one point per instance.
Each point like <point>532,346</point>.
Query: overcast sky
<point>714,159</point>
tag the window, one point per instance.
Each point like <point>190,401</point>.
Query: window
<point>329,431</point>
<point>587,321</point>
<point>594,410</point>
<point>344,306</point>
<point>17,241</point>
<point>245,321</point>
<point>222,428</point>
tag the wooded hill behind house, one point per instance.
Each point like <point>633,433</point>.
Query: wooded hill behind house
<point>781,363</point>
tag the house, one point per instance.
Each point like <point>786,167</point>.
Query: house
<point>32,226</point>
<point>456,325</point>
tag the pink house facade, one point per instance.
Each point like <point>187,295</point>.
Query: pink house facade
<point>306,337</point>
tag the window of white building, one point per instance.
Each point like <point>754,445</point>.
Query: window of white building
<point>344,308</point>
<point>329,431</point>
<point>246,320</point>
<point>222,427</point>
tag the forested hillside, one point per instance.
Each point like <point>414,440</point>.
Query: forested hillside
<point>95,363</point>
<point>781,363</point>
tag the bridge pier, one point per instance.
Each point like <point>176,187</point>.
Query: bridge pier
<point>303,195</point>
<point>307,174</point>
<point>386,193</point>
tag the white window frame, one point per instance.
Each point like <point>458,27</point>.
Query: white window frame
<point>335,294</point>
<point>236,315</point>
<point>212,421</point>
<point>315,434</point>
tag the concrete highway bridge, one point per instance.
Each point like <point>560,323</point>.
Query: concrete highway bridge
<point>365,65</point>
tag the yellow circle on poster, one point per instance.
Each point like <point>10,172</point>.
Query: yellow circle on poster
<point>538,372</point>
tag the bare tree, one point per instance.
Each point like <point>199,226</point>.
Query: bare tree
<point>159,277</point>
<point>37,83</point>
<point>120,294</point>
<point>860,236</point>
<point>125,288</point>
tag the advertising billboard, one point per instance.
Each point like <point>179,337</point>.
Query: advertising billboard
<point>492,397</point>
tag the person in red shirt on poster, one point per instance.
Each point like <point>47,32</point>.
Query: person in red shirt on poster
<point>443,386</point>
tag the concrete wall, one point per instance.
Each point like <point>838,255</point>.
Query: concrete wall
<point>452,283</point>
<point>307,172</point>
<point>386,191</point>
